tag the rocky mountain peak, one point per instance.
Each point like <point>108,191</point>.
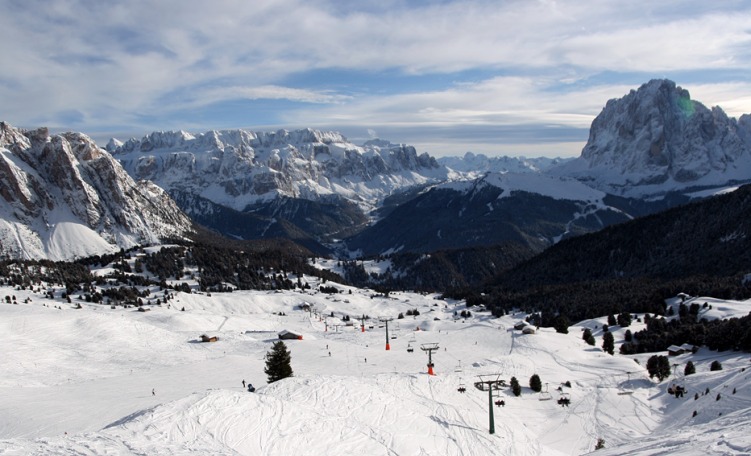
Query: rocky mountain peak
<point>65,197</point>
<point>237,168</point>
<point>657,139</point>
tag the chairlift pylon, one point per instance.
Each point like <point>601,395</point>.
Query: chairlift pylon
<point>545,395</point>
<point>624,391</point>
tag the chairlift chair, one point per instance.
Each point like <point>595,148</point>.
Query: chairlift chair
<point>564,400</point>
<point>409,348</point>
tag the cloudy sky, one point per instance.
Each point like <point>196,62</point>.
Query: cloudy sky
<point>500,77</point>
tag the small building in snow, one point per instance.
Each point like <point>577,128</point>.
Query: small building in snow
<point>289,335</point>
<point>520,325</point>
<point>207,338</point>
<point>688,348</point>
<point>529,329</point>
<point>675,350</point>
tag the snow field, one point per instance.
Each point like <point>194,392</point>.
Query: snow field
<point>79,381</point>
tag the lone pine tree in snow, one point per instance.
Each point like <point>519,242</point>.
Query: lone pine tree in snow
<point>608,342</point>
<point>278,362</point>
<point>535,383</point>
<point>588,337</point>
<point>516,387</point>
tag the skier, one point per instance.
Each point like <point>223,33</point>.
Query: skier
<point>243,383</point>
<point>153,393</point>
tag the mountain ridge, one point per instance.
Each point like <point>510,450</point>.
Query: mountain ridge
<point>64,197</point>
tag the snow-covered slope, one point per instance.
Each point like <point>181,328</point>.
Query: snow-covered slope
<point>656,139</point>
<point>63,197</point>
<point>80,381</point>
<point>530,209</point>
<point>508,183</point>
<point>238,168</point>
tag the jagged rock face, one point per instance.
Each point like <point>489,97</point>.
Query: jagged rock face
<point>657,139</point>
<point>63,197</point>
<point>239,168</point>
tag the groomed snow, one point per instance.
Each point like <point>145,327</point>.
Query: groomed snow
<point>79,381</point>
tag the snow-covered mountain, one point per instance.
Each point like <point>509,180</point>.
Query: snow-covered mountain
<point>63,197</point>
<point>656,139</point>
<point>531,209</point>
<point>239,168</point>
<point>276,184</point>
<point>478,164</point>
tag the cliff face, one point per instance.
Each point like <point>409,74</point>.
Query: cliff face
<point>657,139</point>
<point>238,168</point>
<point>64,197</point>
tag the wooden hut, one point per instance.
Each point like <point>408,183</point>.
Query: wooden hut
<point>289,335</point>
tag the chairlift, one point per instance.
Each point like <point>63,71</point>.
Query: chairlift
<point>564,400</point>
<point>624,391</point>
<point>458,370</point>
<point>409,348</point>
<point>545,395</point>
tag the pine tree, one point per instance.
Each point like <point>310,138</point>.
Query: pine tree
<point>690,369</point>
<point>278,362</point>
<point>516,388</point>
<point>715,366</point>
<point>608,342</point>
<point>658,366</point>
<point>561,324</point>
<point>535,384</point>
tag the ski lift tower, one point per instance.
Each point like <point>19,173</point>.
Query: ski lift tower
<point>487,383</point>
<point>429,348</point>
<point>386,321</point>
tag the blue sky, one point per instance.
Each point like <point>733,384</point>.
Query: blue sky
<point>518,77</point>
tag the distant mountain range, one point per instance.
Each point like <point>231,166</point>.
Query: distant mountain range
<point>648,151</point>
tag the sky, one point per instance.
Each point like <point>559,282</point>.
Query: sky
<point>500,77</point>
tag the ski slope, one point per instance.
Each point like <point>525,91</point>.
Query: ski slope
<point>79,381</point>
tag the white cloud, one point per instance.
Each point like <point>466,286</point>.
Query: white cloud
<point>120,63</point>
